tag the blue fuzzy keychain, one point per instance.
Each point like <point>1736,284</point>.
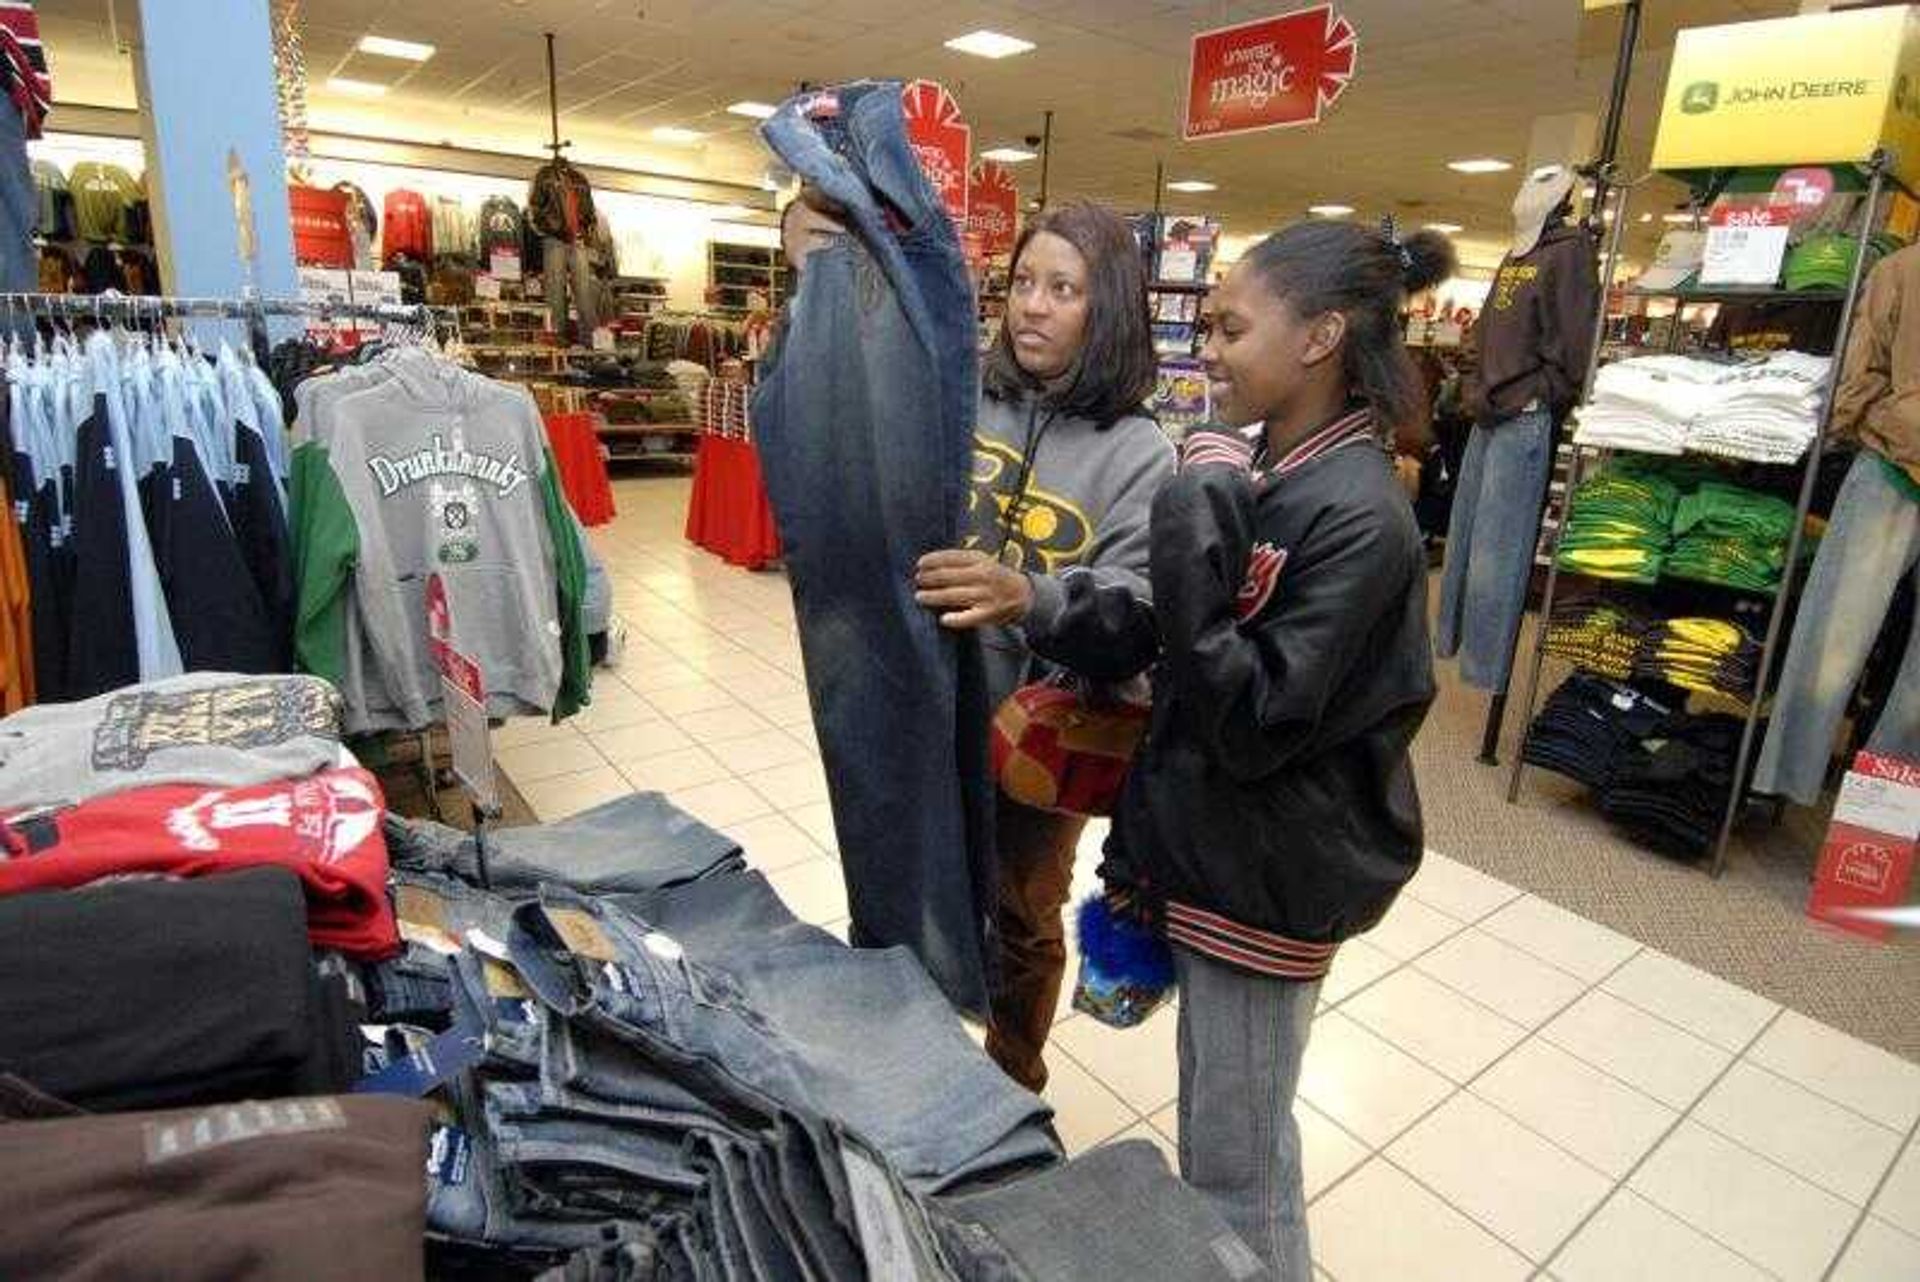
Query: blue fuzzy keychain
<point>1126,968</point>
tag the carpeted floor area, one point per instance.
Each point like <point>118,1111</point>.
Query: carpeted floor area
<point>1749,926</point>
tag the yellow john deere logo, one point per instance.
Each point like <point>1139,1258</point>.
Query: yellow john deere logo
<point>1700,97</point>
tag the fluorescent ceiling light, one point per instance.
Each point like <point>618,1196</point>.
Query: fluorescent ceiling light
<point>1445,229</point>
<point>1191,184</point>
<point>1676,218</point>
<point>1485,165</point>
<point>675,134</point>
<point>989,44</point>
<point>758,110</point>
<point>386,48</point>
<point>356,88</point>
<point>1646,218</point>
<point>1330,211</point>
<point>1009,155</point>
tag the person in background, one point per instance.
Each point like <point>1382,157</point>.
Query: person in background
<point>1066,462</point>
<point>1271,813</point>
<point>29,94</point>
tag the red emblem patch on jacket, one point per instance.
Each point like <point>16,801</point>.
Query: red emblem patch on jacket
<point>1263,575</point>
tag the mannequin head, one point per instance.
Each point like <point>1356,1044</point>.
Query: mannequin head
<point>1544,200</point>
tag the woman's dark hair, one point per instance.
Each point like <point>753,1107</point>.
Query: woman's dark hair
<point>1365,274</point>
<point>1115,371</point>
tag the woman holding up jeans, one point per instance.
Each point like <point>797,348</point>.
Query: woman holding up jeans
<point>1271,812</point>
<point>1066,462</point>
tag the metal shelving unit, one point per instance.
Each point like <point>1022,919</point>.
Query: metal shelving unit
<point>1878,180</point>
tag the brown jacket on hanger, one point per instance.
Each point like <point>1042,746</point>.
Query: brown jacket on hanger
<point>1878,400</point>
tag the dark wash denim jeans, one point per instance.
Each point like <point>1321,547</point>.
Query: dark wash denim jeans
<point>864,420</point>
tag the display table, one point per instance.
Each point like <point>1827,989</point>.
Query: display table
<point>583,471</point>
<point>728,513</point>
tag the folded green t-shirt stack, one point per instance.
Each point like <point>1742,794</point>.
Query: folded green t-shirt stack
<point>1619,526</point>
<point>1730,536</point>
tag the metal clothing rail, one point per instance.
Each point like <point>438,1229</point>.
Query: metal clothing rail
<point>171,306</point>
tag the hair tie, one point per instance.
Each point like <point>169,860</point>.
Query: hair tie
<point>1390,229</point>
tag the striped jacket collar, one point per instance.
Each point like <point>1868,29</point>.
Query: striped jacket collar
<point>1352,428</point>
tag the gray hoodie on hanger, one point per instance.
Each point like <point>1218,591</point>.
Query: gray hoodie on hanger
<point>442,470</point>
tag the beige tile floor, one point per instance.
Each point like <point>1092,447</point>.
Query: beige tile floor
<point>1496,1088</point>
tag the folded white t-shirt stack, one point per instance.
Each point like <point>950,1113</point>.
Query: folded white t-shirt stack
<point>1766,409</point>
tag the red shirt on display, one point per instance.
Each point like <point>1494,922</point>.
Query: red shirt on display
<point>407,227</point>
<point>325,827</point>
<point>321,236</point>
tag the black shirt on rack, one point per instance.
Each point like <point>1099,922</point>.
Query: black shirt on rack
<point>219,620</point>
<point>103,652</point>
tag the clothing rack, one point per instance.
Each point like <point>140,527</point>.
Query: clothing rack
<point>255,311</point>
<point>1880,179</point>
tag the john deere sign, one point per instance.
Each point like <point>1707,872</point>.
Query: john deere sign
<point>1819,88</point>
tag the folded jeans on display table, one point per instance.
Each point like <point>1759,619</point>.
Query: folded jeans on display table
<point>793,1025</point>
<point>1114,1212</point>
<point>322,1189</point>
<point>186,992</point>
<point>864,422</point>
<point>632,844</point>
<point>867,1072</point>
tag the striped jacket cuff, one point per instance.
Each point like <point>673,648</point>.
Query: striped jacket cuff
<point>1260,951</point>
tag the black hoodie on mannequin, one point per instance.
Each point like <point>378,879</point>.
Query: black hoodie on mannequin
<point>1535,333</point>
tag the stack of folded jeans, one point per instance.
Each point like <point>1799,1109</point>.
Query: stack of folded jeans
<point>1588,723</point>
<point>1619,526</point>
<point>1731,536</point>
<point>674,1074</point>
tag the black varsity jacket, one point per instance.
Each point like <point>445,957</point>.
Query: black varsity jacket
<point>1271,812</point>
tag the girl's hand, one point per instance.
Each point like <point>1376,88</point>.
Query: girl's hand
<point>971,589</point>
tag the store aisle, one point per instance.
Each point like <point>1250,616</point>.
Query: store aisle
<point>1496,1088</point>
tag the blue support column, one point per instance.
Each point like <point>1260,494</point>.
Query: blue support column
<point>207,88</point>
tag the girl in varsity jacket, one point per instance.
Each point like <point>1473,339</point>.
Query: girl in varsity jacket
<point>1271,812</point>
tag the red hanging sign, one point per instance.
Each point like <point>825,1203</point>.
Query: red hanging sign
<point>942,141</point>
<point>993,207</point>
<point>1271,74</point>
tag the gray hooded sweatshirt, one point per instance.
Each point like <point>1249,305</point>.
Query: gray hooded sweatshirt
<point>1052,494</point>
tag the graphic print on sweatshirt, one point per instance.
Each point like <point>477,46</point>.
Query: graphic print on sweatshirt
<point>394,473</point>
<point>453,513</point>
<point>1263,576</point>
<point>1051,534</point>
<point>325,818</point>
<point>242,716</point>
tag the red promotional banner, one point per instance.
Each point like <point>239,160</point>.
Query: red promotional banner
<point>942,141</point>
<point>1271,74</point>
<point>993,208</point>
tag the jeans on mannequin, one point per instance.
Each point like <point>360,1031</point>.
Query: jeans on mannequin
<point>566,269</point>
<point>1872,541</point>
<point>1491,538</point>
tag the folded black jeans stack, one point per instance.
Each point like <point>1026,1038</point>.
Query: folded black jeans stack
<point>675,1078</point>
<point>1661,773</point>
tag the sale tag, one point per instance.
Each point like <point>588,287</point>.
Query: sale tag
<point>1746,245</point>
<point>487,287</point>
<point>504,264</point>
